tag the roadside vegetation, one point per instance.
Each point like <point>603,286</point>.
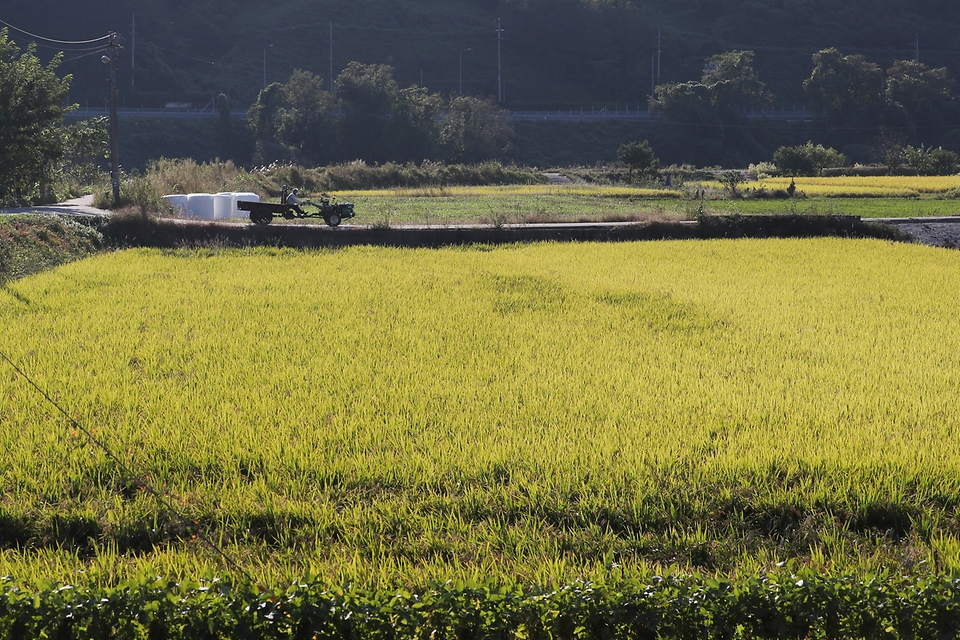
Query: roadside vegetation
<point>32,243</point>
<point>438,193</point>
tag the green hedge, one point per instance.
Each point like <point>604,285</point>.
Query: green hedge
<point>806,606</point>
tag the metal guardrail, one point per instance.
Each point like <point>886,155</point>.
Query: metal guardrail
<point>155,112</point>
<point>593,114</point>
<point>618,113</point>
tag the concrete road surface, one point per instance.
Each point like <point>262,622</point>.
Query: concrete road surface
<point>82,206</point>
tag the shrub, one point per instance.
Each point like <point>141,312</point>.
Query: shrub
<point>731,180</point>
<point>762,170</point>
<point>359,175</point>
<point>807,160</point>
<point>639,157</point>
<point>931,162</point>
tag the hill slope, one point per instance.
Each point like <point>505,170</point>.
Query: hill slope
<point>555,53</point>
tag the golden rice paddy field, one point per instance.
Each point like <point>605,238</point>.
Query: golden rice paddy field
<point>536,413</point>
<point>863,186</point>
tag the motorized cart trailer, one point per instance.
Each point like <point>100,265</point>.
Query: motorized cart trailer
<point>333,213</point>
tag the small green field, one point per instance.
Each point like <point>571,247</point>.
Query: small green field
<point>391,208</point>
<point>885,197</point>
<point>526,414</point>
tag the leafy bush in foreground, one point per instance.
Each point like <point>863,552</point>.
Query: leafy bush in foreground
<point>772,606</point>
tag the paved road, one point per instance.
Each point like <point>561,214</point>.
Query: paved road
<point>82,206</point>
<point>937,232</point>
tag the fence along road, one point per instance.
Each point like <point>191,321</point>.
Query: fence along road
<point>563,115</point>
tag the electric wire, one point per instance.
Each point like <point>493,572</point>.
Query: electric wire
<point>84,55</point>
<point>140,481</point>
<point>100,47</point>
<point>33,35</point>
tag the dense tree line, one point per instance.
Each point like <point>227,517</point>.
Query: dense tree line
<point>369,117</point>
<point>875,115</point>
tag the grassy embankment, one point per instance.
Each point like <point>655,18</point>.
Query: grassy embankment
<point>543,413</point>
<point>30,244</point>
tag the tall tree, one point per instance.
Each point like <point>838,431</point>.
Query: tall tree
<point>845,88</point>
<point>733,82</point>
<point>473,130</point>
<point>32,107</point>
<point>910,83</point>
<point>715,105</point>
<point>416,124</point>
<point>264,118</point>
<point>367,95</point>
<point>305,118</point>
<point>638,156</point>
<point>922,94</point>
<point>293,121</point>
<point>688,101</point>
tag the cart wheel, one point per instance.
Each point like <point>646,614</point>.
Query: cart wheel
<point>333,219</point>
<point>261,215</point>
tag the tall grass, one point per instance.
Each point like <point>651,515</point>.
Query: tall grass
<point>165,176</point>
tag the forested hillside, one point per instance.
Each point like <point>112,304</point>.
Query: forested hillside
<point>880,72</point>
<point>555,53</point>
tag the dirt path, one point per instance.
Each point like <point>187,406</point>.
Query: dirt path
<point>558,178</point>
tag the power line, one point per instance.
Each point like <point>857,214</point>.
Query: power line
<point>59,48</point>
<point>162,498</point>
<point>83,55</point>
<point>35,36</point>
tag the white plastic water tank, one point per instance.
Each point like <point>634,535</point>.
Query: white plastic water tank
<point>221,205</point>
<point>200,205</point>
<point>237,197</point>
<point>177,202</point>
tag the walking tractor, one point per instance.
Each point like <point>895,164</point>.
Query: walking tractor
<point>332,212</point>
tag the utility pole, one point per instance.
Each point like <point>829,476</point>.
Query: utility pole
<point>499,74</point>
<point>658,55</point>
<point>110,59</point>
<point>917,47</point>
<point>133,48</point>
<point>331,57</point>
<point>461,69</point>
<point>653,73</point>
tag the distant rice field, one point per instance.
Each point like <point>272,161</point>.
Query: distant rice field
<point>861,186</point>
